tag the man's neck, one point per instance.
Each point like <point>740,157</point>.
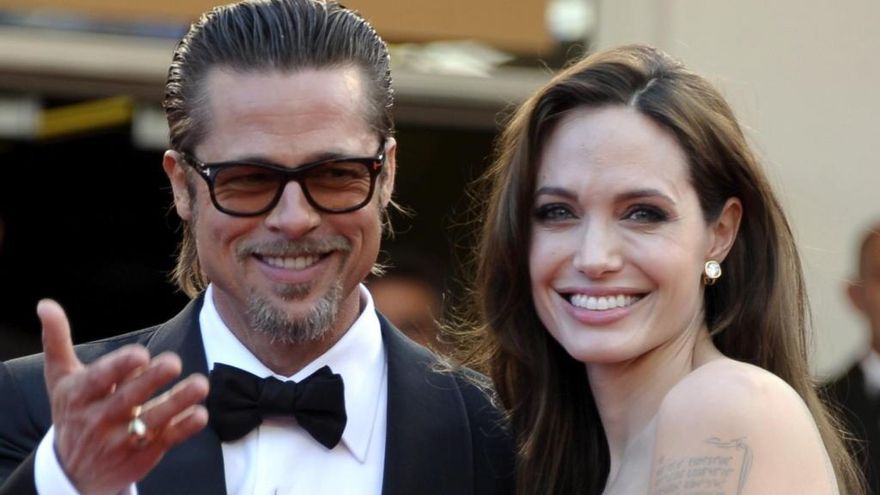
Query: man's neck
<point>283,357</point>
<point>286,358</point>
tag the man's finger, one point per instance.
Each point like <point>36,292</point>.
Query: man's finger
<point>57,344</point>
<point>136,390</point>
<point>189,392</point>
<point>186,424</point>
<point>103,375</point>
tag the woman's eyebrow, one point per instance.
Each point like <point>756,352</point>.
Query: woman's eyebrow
<point>624,196</point>
<point>645,193</point>
<point>556,191</point>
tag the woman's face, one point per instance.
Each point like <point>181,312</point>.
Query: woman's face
<point>618,237</point>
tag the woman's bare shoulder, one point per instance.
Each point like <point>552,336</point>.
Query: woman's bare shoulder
<point>735,385</point>
<point>736,428</point>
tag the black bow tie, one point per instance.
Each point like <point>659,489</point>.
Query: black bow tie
<point>239,401</point>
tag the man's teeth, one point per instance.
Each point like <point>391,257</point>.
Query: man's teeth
<point>296,263</point>
<point>604,302</point>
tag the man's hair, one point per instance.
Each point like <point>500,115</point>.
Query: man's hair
<point>264,36</point>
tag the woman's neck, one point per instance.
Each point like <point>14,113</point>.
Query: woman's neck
<point>629,394</point>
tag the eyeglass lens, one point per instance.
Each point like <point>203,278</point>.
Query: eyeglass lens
<point>335,185</point>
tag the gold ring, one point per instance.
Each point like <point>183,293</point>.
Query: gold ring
<point>137,429</point>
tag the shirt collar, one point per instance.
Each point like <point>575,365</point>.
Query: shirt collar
<point>358,356</point>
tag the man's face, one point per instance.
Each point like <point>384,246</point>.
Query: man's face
<point>292,272</point>
<point>866,295</point>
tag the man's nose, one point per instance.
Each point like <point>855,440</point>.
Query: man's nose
<point>293,215</point>
<point>598,251</point>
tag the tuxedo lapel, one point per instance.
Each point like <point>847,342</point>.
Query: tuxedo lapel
<point>428,444</point>
<point>861,413</point>
<point>856,395</point>
<point>195,466</point>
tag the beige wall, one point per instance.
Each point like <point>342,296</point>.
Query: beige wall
<point>804,78</point>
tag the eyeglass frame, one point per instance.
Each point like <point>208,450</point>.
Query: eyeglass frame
<point>208,171</point>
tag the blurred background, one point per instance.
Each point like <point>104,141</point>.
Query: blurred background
<point>84,206</point>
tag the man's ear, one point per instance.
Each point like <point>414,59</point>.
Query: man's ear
<point>724,230</point>
<point>856,294</point>
<point>174,168</point>
<point>386,187</point>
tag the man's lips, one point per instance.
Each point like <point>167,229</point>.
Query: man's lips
<point>290,262</point>
<point>293,269</point>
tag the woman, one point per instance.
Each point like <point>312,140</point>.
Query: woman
<point>643,302</point>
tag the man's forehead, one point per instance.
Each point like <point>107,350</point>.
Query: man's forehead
<point>223,81</point>
<point>293,102</point>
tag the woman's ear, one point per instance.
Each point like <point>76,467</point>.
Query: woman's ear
<point>724,229</point>
<point>173,165</point>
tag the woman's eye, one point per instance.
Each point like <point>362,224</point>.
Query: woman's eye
<point>646,214</point>
<point>553,211</point>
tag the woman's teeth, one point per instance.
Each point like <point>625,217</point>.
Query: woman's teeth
<point>602,303</point>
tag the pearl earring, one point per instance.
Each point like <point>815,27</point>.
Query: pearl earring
<point>711,272</point>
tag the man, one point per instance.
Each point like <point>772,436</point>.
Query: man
<point>858,391</point>
<point>282,164</point>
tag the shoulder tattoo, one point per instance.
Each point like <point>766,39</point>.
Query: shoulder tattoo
<point>722,470</point>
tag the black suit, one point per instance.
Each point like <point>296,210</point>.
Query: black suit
<point>443,436</point>
<point>861,414</point>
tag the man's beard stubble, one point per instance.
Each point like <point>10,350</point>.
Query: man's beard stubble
<point>265,317</point>
<point>269,319</point>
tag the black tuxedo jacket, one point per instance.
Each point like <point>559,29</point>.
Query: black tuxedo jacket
<point>443,436</point>
<point>861,414</point>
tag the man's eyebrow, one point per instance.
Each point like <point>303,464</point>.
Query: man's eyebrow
<point>334,155</point>
<point>320,157</point>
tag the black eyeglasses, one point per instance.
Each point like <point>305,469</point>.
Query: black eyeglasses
<point>245,189</point>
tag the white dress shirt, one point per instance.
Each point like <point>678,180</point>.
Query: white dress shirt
<point>278,457</point>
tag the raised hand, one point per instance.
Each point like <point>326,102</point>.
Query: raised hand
<point>93,406</point>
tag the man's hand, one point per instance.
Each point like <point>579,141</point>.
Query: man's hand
<point>93,404</point>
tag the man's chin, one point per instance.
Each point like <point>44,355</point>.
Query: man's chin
<point>290,293</point>
<point>292,316</point>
